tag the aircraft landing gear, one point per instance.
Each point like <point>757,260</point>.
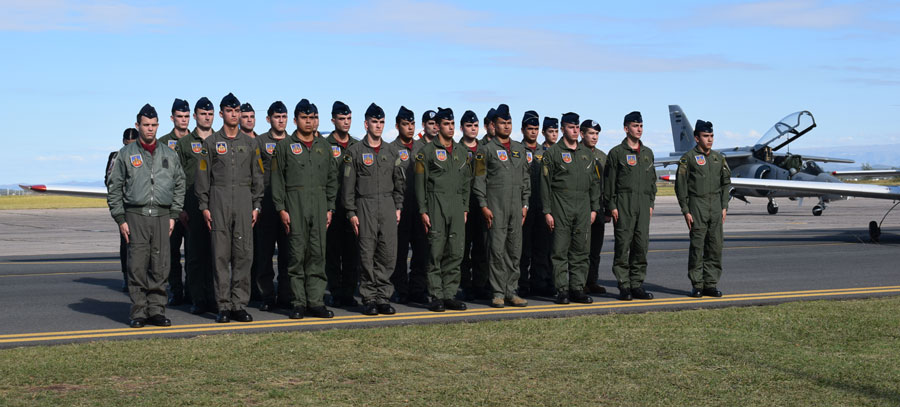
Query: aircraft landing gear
<point>875,227</point>
<point>819,208</point>
<point>772,207</point>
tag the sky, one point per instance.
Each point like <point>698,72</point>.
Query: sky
<point>77,72</point>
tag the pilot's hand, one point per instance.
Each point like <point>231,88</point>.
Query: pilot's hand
<point>328,216</point>
<point>286,221</point>
<point>488,216</point>
<point>208,218</point>
<point>524,213</point>
<point>123,229</point>
<point>593,217</point>
<point>651,212</point>
<point>171,226</point>
<point>689,220</point>
<point>723,214</point>
<point>550,223</point>
<point>354,221</point>
<point>615,215</point>
<point>398,215</point>
<point>426,221</point>
<point>254,217</point>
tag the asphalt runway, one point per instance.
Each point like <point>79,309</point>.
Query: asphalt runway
<point>60,278</point>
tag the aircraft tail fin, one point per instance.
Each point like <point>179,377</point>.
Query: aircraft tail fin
<point>682,131</point>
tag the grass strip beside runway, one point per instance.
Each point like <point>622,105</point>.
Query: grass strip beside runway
<point>49,202</point>
<point>798,353</point>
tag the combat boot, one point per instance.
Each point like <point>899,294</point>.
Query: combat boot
<point>497,302</point>
<point>641,294</point>
<point>580,297</point>
<point>516,301</point>
<point>562,297</point>
<point>624,293</point>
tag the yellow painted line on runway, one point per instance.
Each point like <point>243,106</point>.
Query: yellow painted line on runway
<point>62,273</point>
<point>427,315</point>
<point>25,263</point>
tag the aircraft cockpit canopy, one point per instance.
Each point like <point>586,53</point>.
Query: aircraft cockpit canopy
<point>788,129</point>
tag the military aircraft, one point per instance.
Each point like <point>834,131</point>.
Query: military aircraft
<point>86,192</point>
<point>763,160</point>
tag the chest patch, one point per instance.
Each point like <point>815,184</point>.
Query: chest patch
<point>221,147</point>
<point>701,159</point>
<point>502,155</point>
<point>296,148</point>
<point>404,155</point>
<point>631,159</point>
<point>515,154</point>
<point>335,151</point>
<point>567,157</point>
<point>172,143</point>
<point>136,161</point>
<point>441,155</point>
<point>196,147</point>
<point>368,158</point>
<point>529,156</point>
<point>270,148</point>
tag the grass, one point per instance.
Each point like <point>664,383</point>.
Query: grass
<point>800,354</point>
<point>49,202</point>
<point>890,181</point>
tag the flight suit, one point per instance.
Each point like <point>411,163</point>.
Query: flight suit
<point>702,185</point>
<point>503,185</point>
<point>598,228</point>
<point>535,273</point>
<point>198,268</point>
<point>341,248</point>
<point>176,284</point>
<point>409,281</point>
<point>373,188</point>
<point>146,191</point>
<point>230,185</point>
<point>442,192</point>
<point>269,232</point>
<point>123,247</point>
<point>304,184</point>
<point>630,187</point>
<point>570,191</point>
<point>474,271</point>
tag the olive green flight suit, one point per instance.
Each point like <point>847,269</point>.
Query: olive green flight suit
<point>373,187</point>
<point>198,267</point>
<point>146,191</point>
<point>570,191</point>
<point>268,232</point>
<point>535,272</point>
<point>503,185</point>
<point>598,228</point>
<point>176,284</point>
<point>442,191</point>
<point>304,184</point>
<point>409,277</point>
<point>702,185</point>
<point>341,248</point>
<point>630,187</point>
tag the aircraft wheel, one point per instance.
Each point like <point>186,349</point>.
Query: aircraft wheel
<point>817,210</point>
<point>874,231</point>
<point>772,208</point>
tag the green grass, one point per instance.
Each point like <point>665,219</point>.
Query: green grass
<point>49,202</point>
<point>799,354</point>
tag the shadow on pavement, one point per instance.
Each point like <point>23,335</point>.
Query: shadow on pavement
<point>114,310</point>
<point>114,284</point>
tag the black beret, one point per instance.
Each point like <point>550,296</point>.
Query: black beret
<point>503,112</point>
<point>703,127</point>
<point>590,124</point>
<point>130,134</point>
<point>406,114</point>
<point>180,105</point>
<point>374,111</point>
<point>203,104</point>
<point>550,123</point>
<point>276,107</point>
<point>428,115</point>
<point>229,101</point>
<point>148,112</point>
<point>339,108</point>
<point>489,117</point>
<point>247,108</point>
<point>444,114</point>
<point>468,117</point>
<point>570,118</point>
<point>633,117</point>
<point>531,118</point>
<point>303,106</point>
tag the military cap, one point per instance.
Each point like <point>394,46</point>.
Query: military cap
<point>503,112</point>
<point>374,111</point>
<point>180,105</point>
<point>203,104</point>
<point>406,114</point>
<point>247,108</point>
<point>443,114</point>
<point>531,118</point>
<point>590,124</point>
<point>339,108</point>
<point>550,123</point>
<point>703,127</point>
<point>303,106</point>
<point>130,134</point>
<point>489,117</point>
<point>148,112</point>
<point>229,101</point>
<point>570,118</point>
<point>428,115</point>
<point>468,117</point>
<point>633,117</point>
<point>276,107</point>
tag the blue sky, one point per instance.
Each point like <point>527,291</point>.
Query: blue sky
<point>76,72</point>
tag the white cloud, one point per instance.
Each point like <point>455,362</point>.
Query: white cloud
<point>69,15</point>
<point>802,14</point>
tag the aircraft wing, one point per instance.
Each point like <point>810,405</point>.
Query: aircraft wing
<point>826,159</point>
<point>87,192</point>
<point>865,173</point>
<point>817,187</point>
